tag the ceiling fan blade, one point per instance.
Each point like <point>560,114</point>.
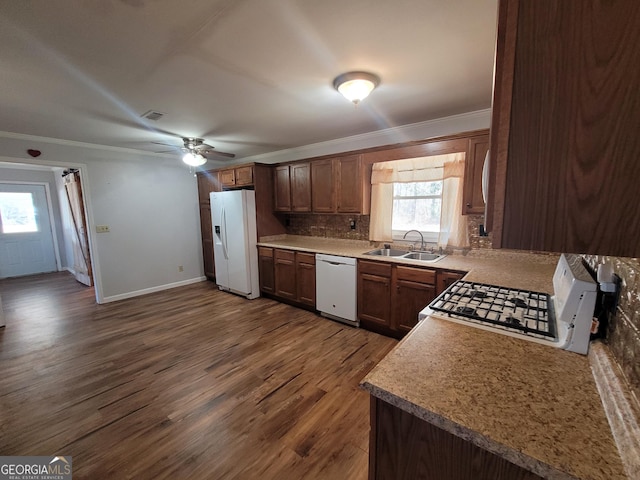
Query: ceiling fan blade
<point>207,152</point>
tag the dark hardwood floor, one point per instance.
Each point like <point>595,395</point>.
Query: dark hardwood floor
<point>186,383</point>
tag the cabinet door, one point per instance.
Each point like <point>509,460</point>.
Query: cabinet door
<point>228,178</point>
<point>244,175</point>
<point>285,274</point>
<point>306,273</point>
<point>300,187</point>
<point>374,295</point>
<point>409,298</point>
<point>282,189</point>
<point>266,268</point>
<point>207,241</point>
<point>445,279</point>
<point>323,198</point>
<point>349,184</point>
<point>473,202</point>
<point>566,173</point>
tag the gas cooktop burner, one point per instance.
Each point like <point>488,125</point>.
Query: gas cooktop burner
<point>466,310</point>
<point>512,321</point>
<point>524,312</point>
<point>476,294</point>
<point>518,302</point>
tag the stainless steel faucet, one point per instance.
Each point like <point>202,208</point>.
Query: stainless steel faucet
<point>421,237</point>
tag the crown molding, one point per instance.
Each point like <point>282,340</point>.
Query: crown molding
<point>75,144</point>
<point>438,127</point>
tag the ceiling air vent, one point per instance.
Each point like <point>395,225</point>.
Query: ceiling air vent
<point>152,115</point>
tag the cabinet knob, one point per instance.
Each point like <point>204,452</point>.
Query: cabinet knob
<point>468,204</point>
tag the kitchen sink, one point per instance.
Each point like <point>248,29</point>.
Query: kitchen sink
<point>387,252</point>
<point>393,252</point>
<point>424,256</point>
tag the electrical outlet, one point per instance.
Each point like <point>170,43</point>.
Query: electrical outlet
<point>102,229</point>
<point>180,268</point>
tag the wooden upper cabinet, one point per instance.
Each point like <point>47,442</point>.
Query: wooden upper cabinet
<point>244,175</point>
<point>227,177</point>
<point>473,203</point>
<point>349,184</point>
<point>323,197</point>
<point>236,177</point>
<point>281,189</point>
<point>300,178</point>
<point>565,127</point>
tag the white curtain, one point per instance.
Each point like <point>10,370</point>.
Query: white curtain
<point>453,225</point>
<point>449,168</point>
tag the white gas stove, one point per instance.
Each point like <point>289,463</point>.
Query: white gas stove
<point>563,320</point>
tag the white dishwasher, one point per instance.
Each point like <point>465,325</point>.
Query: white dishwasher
<point>336,288</point>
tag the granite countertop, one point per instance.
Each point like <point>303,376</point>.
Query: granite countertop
<point>480,267</point>
<point>534,405</point>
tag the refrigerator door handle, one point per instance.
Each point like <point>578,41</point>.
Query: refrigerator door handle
<point>223,236</point>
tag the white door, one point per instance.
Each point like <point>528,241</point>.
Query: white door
<point>26,239</point>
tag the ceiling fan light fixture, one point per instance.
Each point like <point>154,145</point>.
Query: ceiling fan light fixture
<point>194,159</point>
<point>356,86</point>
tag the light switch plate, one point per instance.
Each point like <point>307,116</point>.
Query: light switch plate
<point>102,229</point>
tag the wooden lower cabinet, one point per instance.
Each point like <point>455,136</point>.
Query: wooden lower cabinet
<point>288,275</point>
<point>306,274</point>
<point>405,447</point>
<point>207,241</point>
<point>445,279</point>
<point>391,296</point>
<point>374,296</point>
<point>285,274</point>
<point>266,269</point>
<point>414,289</point>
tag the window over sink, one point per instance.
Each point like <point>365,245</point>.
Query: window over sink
<point>417,206</point>
<point>423,194</point>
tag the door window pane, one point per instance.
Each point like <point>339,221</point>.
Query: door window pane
<point>17,213</point>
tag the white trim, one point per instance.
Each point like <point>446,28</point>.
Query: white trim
<point>94,146</point>
<point>412,132</point>
<point>145,291</point>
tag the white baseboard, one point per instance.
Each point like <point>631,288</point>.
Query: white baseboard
<point>159,288</point>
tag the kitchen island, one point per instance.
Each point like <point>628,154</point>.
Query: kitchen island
<point>533,407</point>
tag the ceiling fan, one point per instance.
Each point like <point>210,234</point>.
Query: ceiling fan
<point>197,152</point>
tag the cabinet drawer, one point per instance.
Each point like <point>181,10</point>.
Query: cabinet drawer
<point>308,258</point>
<point>375,268</point>
<point>285,255</point>
<point>265,252</point>
<point>416,275</point>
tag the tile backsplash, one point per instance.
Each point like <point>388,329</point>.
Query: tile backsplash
<point>475,240</point>
<point>623,334</point>
<point>332,226</point>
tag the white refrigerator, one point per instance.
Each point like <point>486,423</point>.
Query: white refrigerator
<point>233,215</point>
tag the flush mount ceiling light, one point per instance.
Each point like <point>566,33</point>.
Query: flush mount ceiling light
<point>356,86</point>
<point>194,159</point>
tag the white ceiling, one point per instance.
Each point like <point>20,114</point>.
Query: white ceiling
<point>249,76</point>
